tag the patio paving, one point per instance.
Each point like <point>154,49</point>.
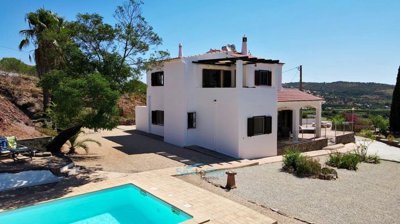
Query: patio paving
<point>369,195</point>
<point>126,150</point>
<point>383,150</point>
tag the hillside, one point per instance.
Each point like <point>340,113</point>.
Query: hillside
<point>21,102</point>
<point>342,95</point>
<point>13,122</point>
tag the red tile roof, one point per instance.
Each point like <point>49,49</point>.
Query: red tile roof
<point>290,95</point>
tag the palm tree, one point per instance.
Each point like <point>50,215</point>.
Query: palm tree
<point>74,144</point>
<point>42,23</point>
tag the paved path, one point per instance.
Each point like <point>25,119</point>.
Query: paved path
<point>383,150</point>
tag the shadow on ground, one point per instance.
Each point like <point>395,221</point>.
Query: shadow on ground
<point>13,199</point>
<point>140,143</point>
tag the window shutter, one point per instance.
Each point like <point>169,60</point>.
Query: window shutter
<point>153,81</point>
<point>269,78</point>
<point>161,117</point>
<point>250,126</point>
<point>257,78</point>
<point>154,117</point>
<point>268,125</point>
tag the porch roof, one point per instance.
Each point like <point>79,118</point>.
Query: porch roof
<point>227,61</point>
<point>291,95</point>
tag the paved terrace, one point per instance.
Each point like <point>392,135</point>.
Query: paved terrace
<point>204,206</point>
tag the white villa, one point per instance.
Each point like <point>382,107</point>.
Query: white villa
<point>227,101</point>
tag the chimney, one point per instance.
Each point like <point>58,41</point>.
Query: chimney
<point>180,55</point>
<point>244,45</point>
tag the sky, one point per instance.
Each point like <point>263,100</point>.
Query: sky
<point>341,40</point>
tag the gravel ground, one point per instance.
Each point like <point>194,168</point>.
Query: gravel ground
<point>369,195</point>
<point>199,182</point>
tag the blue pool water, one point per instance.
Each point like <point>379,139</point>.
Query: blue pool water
<point>126,204</point>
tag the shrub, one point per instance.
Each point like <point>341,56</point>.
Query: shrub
<point>366,133</point>
<point>362,149</point>
<point>373,159</point>
<point>289,159</point>
<point>344,161</point>
<point>349,161</point>
<point>334,159</point>
<point>307,167</point>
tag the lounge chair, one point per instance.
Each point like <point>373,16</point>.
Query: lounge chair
<point>4,151</point>
<point>14,149</point>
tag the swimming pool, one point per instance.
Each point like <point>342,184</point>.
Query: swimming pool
<point>123,204</point>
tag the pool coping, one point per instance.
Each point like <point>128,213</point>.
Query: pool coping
<point>204,206</point>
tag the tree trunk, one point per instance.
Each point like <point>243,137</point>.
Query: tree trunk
<point>42,67</point>
<point>55,145</point>
<point>72,150</point>
<point>46,99</point>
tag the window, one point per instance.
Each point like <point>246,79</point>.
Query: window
<point>191,120</point>
<point>157,79</point>
<point>157,117</point>
<point>259,125</point>
<point>262,78</point>
<point>213,78</point>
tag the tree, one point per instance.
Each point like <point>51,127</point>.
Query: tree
<point>395,108</point>
<point>380,122</point>
<point>46,54</point>
<point>99,63</point>
<point>87,102</point>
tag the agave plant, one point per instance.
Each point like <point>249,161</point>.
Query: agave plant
<point>74,143</point>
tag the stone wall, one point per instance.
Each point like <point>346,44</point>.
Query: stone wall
<point>344,139</point>
<point>311,145</point>
<point>35,143</point>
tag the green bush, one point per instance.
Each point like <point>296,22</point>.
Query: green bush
<point>307,167</point>
<point>334,159</point>
<point>344,161</point>
<point>289,159</point>
<point>367,134</point>
<point>373,159</point>
<point>349,161</point>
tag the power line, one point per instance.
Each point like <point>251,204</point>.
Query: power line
<point>297,67</point>
<point>13,49</point>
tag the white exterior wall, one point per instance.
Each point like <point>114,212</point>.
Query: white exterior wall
<point>258,101</point>
<point>175,113</point>
<point>221,113</point>
<point>216,113</point>
<point>155,101</point>
<point>142,119</point>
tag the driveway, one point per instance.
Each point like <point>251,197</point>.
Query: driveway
<point>383,150</point>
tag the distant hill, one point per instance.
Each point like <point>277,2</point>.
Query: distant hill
<point>342,95</point>
<point>16,66</point>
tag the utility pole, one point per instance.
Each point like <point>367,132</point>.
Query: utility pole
<point>301,78</point>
